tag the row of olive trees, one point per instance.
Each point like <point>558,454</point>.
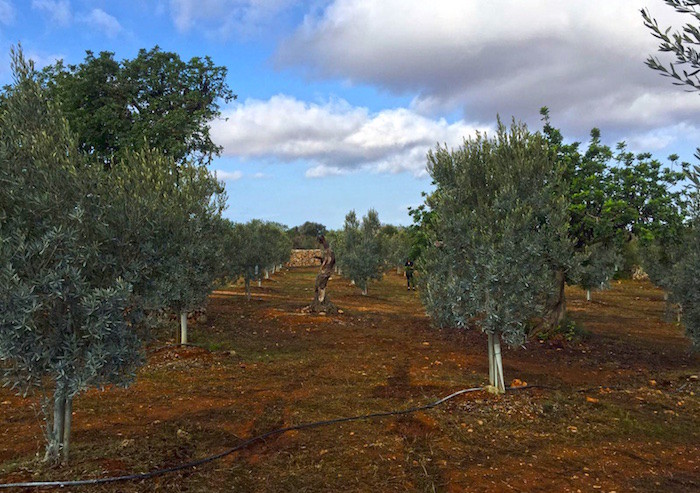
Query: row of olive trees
<point>365,249</point>
<point>252,250</point>
<point>89,254</point>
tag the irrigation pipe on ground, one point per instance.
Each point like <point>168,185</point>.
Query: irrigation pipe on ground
<point>250,441</point>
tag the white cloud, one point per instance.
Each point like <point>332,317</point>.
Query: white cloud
<point>334,136</point>
<point>582,58</point>
<point>58,11</point>
<point>228,175</point>
<point>662,138</point>
<point>100,20</point>
<point>42,60</point>
<point>221,18</point>
<point>7,12</point>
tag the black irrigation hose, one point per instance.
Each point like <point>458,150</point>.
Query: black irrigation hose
<point>173,346</point>
<point>246,443</point>
<point>240,446</point>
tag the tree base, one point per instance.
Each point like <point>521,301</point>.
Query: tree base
<point>325,306</point>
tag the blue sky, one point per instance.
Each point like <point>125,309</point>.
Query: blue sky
<point>339,100</point>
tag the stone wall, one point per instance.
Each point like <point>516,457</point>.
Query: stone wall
<point>304,258</point>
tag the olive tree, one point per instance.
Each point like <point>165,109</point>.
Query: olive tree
<point>66,321</point>
<point>84,253</point>
<point>497,236</point>
<point>362,249</point>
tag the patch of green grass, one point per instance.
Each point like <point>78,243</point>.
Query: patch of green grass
<point>568,330</point>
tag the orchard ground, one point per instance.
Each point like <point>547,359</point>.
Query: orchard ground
<point>267,365</point>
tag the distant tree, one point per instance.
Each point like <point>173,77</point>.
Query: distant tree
<point>155,100</point>
<point>683,44</point>
<point>305,236</point>
<point>497,236</point>
<point>362,250</point>
<point>397,246</point>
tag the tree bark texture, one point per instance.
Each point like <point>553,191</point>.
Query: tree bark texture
<point>321,301</point>
<point>59,428</point>
<point>555,308</point>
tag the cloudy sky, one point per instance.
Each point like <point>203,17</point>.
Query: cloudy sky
<point>339,100</point>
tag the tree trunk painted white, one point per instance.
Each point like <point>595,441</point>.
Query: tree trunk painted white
<point>588,295</point>
<point>321,295</point>
<point>398,270</point>
<point>67,421</point>
<point>364,292</point>
<point>352,282</point>
<point>496,378</point>
<point>267,274</point>
<point>259,283</point>
<point>183,327</point>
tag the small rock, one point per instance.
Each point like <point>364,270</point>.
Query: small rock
<point>652,382</point>
<point>231,353</point>
<point>183,435</point>
<point>128,442</point>
<point>426,343</point>
<point>340,311</point>
<point>693,378</point>
<point>6,403</point>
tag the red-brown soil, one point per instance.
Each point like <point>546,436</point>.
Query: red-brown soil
<point>266,365</point>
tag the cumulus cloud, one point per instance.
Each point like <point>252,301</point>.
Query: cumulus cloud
<point>100,20</point>
<point>228,175</point>
<point>58,11</point>
<point>7,12</point>
<point>334,137</point>
<point>222,18</point>
<point>582,58</point>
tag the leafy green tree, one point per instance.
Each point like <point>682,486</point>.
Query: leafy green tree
<point>362,249</point>
<point>682,44</point>
<point>615,199</point>
<point>305,236</point>
<point>497,236</point>
<point>685,282</point>
<point>155,100</point>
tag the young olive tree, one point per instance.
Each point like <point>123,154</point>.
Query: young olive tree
<point>67,318</point>
<point>362,250</point>
<point>497,236</point>
<point>186,239</point>
<point>84,253</point>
